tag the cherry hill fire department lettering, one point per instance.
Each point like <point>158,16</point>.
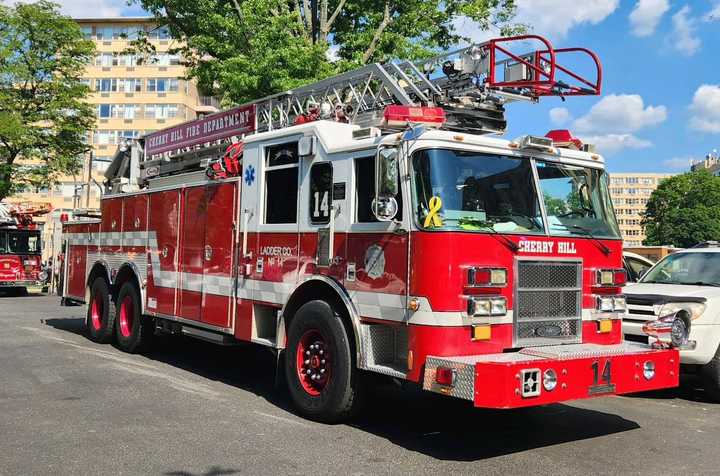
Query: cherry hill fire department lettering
<point>369,225</point>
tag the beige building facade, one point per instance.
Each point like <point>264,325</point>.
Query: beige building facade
<point>133,96</point>
<point>630,193</point>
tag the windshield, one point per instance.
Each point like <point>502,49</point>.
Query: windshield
<point>686,268</point>
<point>473,191</point>
<point>577,200</point>
<point>476,192</point>
<point>21,243</point>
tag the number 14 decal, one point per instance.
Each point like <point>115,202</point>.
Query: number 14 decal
<point>321,205</point>
<point>603,378</point>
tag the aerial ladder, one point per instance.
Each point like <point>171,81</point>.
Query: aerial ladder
<point>469,87</point>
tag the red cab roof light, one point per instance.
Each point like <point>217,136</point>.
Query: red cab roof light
<point>564,138</point>
<point>404,115</point>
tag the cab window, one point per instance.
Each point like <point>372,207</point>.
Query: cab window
<point>365,191</point>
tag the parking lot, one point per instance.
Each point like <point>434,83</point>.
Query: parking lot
<point>69,406</point>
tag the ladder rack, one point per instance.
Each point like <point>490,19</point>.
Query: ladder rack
<point>472,85</point>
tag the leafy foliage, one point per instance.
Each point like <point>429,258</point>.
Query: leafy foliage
<point>684,210</point>
<point>246,49</point>
<point>43,116</point>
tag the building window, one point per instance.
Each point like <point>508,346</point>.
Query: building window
<point>161,111</point>
<point>106,85</point>
<point>87,32</point>
<point>161,33</point>
<point>163,85</point>
<point>281,183</point>
<point>104,33</point>
<point>130,85</point>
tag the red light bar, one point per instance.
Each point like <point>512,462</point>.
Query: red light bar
<point>564,138</point>
<point>403,115</point>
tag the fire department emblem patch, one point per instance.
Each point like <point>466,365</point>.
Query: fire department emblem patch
<point>375,262</point>
<point>249,175</point>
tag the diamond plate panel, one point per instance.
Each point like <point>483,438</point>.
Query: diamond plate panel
<point>581,351</point>
<point>464,378</point>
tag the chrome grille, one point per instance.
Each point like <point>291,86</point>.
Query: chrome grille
<point>548,302</point>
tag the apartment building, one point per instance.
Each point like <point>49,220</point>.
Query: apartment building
<point>133,96</point>
<point>630,193</point>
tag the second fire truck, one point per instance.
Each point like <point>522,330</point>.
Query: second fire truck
<point>20,249</point>
<point>368,223</point>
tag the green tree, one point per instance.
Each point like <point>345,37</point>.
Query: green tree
<point>246,49</point>
<point>43,115</point>
<point>684,210</point>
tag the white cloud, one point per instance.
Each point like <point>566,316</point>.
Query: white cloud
<point>611,143</point>
<point>683,38</point>
<point>714,14</point>
<point>556,18</point>
<point>678,163</point>
<point>646,15</point>
<point>560,116</point>
<point>468,28</point>
<point>620,114</point>
<point>705,109</point>
<point>85,9</point>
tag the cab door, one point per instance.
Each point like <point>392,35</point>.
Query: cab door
<point>326,217</point>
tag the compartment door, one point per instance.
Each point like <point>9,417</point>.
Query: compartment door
<point>219,254</point>
<point>192,254</point>
<point>163,234</point>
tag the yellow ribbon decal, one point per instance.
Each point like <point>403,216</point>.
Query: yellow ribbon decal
<point>432,220</point>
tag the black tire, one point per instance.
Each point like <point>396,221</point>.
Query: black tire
<point>100,319</point>
<point>710,374</point>
<point>339,397</point>
<point>133,331</point>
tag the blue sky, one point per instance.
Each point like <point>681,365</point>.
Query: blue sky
<point>660,106</point>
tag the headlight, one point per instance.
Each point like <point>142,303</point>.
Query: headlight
<point>679,332</point>
<point>611,304</point>
<point>487,306</point>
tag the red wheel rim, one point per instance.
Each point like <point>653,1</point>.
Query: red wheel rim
<point>96,312</point>
<point>127,316</point>
<point>313,362</point>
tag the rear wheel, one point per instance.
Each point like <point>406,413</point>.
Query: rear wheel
<point>320,370</point>
<point>100,318</point>
<point>710,374</point>
<point>133,331</point>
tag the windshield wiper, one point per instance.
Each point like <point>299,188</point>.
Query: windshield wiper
<point>702,283</point>
<point>504,239</point>
<point>586,232</point>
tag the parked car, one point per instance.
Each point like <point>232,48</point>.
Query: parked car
<point>683,288</point>
<point>636,265</point>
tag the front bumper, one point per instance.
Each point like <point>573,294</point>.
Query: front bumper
<point>583,371</point>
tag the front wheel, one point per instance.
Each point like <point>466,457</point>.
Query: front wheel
<point>133,331</point>
<point>321,375</point>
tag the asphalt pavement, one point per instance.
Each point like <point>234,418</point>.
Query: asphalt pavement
<point>72,407</point>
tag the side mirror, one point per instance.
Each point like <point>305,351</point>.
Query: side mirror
<point>385,206</point>
<point>386,172</point>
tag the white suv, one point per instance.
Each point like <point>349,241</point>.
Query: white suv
<point>684,286</point>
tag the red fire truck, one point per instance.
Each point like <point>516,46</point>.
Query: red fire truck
<point>368,223</point>
<point>20,250</point>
